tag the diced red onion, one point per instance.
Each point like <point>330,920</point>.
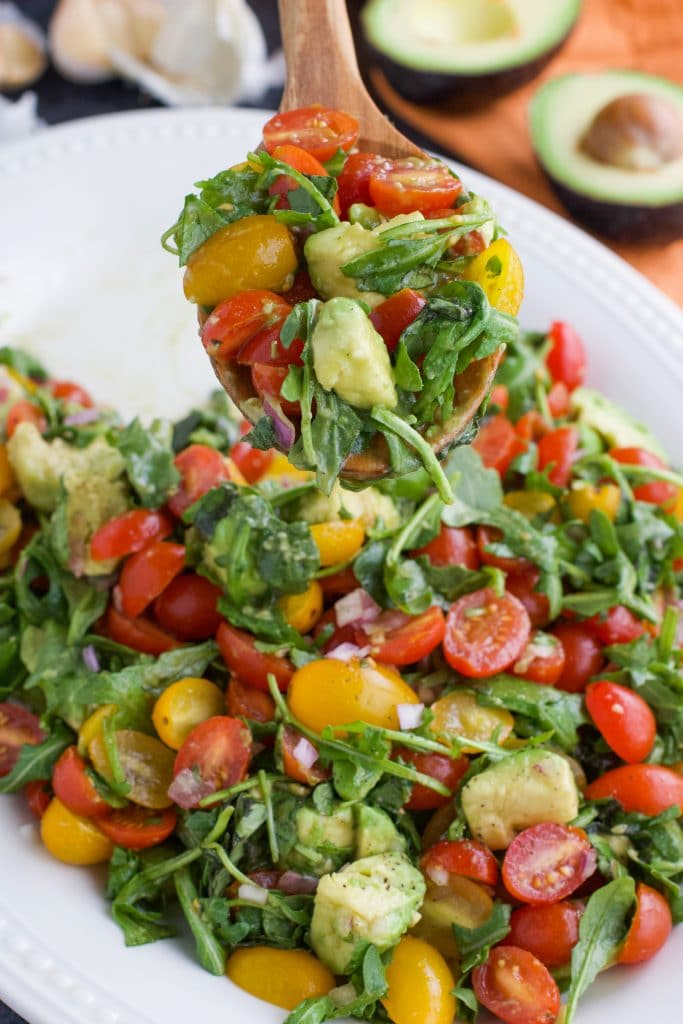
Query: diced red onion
<point>409,715</point>
<point>90,659</point>
<point>294,884</point>
<point>356,607</point>
<point>188,788</point>
<point>437,875</point>
<point>284,428</point>
<point>253,894</point>
<point>305,753</point>
<point>81,418</point>
<point>347,652</point>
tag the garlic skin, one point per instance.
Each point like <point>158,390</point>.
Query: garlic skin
<point>22,49</point>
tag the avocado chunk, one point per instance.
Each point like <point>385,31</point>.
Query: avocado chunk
<point>376,832</point>
<point>328,251</point>
<point>323,841</point>
<point>350,357</point>
<point>523,789</point>
<point>461,50</point>
<point>369,506</point>
<point>375,899</point>
<point>617,427</point>
<point>611,144</point>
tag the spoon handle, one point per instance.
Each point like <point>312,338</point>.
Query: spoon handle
<point>321,58</point>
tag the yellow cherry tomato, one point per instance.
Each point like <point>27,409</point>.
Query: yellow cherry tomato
<point>7,478</point>
<point>254,252</point>
<point>302,611</point>
<point>183,705</point>
<point>338,542</point>
<point>146,763</point>
<point>498,270</point>
<point>530,503</point>
<point>462,902</point>
<point>420,984</point>
<point>582,499</point>
<point>280,976</point>
<point>71,838</point>
<point>93,725</point>
<point>281,469</point>
<point>676,508</point>
<point>459,714</point>
<point>10,525</point>
<point>332,692</point>
<point>235,475</point>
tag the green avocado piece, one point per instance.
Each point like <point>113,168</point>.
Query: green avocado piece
<point>369,506</point>
<point>376,832</point>
<point>328,251</point>
<point>323,841</point>
<point>619,429</point>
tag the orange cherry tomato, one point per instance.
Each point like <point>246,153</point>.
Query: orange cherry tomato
<point>623,718</point>
<point>283,977</point>
<point>128,533</point>
<point>300,160</point>
<point>645,788</point>
<point>72,785</point>
<point>252,666</point>
<point>413,183</point>
<point>650,927</point>
<point>72,838</point>
<point>18,727</point>
<point>448,770</point>
<point>420,985</point>
<point>548,931</point>
<point>137,828</point>
<point>460,857</point>
<point>485,633</point>
<point>184,705</point>
<point>558,399</point>
<point>321,131</point>
<point>516,987</point>
<point>147,573</point>
<point>547,862</point>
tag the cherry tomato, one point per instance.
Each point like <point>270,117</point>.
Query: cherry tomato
<point>557,450</point>
<point>617,626</point>
<point>252,666</point>
<point>137,828</point>
<point>146,764</point>
<point>523,585</point>
<point>321,131</point>
<point>72,838</point>
<point>266,347</point>
<point>68,391</point>
<point>516,987</point>
<point>268,381</point>
<point>566,359</point>
<point>24,411</point>
<point>38,796</point>
<point>18,727</point>
<point>302,611</point>
<point>392,316</point>
<point>454,545</point>
<point>650,927</point>
<point>460,857</point>
<point>72,785</point>
<point>448,770</point>
<point>420,985</point>
<point>332,692</point>
<point>187,607</point>
<point>338,584</point>
<point>548,931</point>
<point>217,752</point>
<point>239,319</point>
<point>547,863</point>
<point>497,443</point>
<point>644,788</point>
<point>280,976</point>
<point>338,541</point>
<point>415,639</point>
<point>243,701</point>
<point>182,706</point>
<point>300,160</point>
<point>623,719</point>
<point>251,462</point>
<point>128,533</point>
<point>147,573</point>
<point>658,492</point>
<point>354,180</point>
<point>558,399</point>
<point>459,714</point>
<point>531,426</point>
<point>462,902</point>
<point>413,183</point>
<point>139,634</point>
<point>201,468</point>
<point>500,397</point>
<point>582,653</point>
<point>290,742</point>
<point>302,290</point>
<point>485,633</point>
<point>489,535</point>
<point>542,660</point>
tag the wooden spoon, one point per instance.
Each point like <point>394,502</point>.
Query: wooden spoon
<point>322,68</point>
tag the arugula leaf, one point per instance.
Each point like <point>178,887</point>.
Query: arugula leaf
<point>334,433</point>
<point>148,454</point>
<point>546,706</point>
<point>210,953</point>
<point>474,944</point>
<point>370,984</point>
<point>36,762</point>
<point>23,362</point>
<point>138,906</point>
<point>197,222</point>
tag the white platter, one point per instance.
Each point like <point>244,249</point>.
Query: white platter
<point>85,285</point>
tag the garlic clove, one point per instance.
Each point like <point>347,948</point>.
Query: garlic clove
<point>22,49</point>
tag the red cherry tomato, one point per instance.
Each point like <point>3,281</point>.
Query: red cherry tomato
<point>72,785</point>
<point>547,863</point>
<point>138,828</point>
<point>644,788</point>
<point>498,444</point>
<point>338,584</point>
<point>582,654</point>
<point>18,727</point>
<point>392,316</point>
<point>68,391</point>
<point>252,666</point>
<point>488,535</point>
<point>129,533</point>
<point>301,161</point>
<point>407,643</point>
<point>243,701</point>
<point>448,770</point>
<point>516,987</point>
<point>354,180</point>
<point>201,468</point>
<point>542,660</point>
<point>24,411</point>
<point>623,719</point>
<point>454,545</point>
<point>266,347</point>
<point>531,427</point>
<point>251,462</point>
<point>402,186</point>
<point>237,320</point>
<point>146,573</point>
<point>302,289</point>
<point>567,358</point>
<point>500,397</point>
<point>300,771</point>
<point>38,796</point>
<point>139,634</point>
<point>485,633</point>
<point>187,607</point>
<point>319,130</point>
<point>460,857</point>
<point>268,381</point>
<point>558,399</point>
<point>617,626</point>
<point>557,450</point>
<point>650,927</point>
<point>548,931</point>
<point>523,586</point>
<point>658,492</point>
<point>217,752</point>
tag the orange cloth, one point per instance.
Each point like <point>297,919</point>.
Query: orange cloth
<point>646,35</point>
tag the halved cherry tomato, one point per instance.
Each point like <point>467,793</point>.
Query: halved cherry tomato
<point>128,533</point>
<point>354,180</point>
<point>498,444</point>
<point>523,585</point>
<point>460,857</point>
<point>617,626</point>
<point>650,927</point>
<point>542,660</point>
<point>251,462</point>
<point>68,391</point>
<point>485,633</point>
<point>558,399</point>
<point>237,320</point>
<point>460,716</point>
<point>488,535</point>
<point>420,985</point>
<point>289,742</point>
<point>338,584</point>
<point>266,347</point>
<point>253,667</point>
<point>566,359</point>
<point>243,701</point>
<point>268,381</point>
<point>624,720</point>
<point>548,931</point>
<point>448,770</point>
<point>18,727</point>
<point>582,655</point>
<point>454,545</point>
<point>24,411</point>
<point>147,573</point>
<point>201,468</point>
<point>407,643</point>
<point>547,863</point>
<point>139,634</point>
<point>300,160</point>
<point>187,607</point>
<point>557,450</point>
<point>137,828</point>
<point>516,987</point>
<point>644,788</point>
<point>658,492</point>
<point>74,788</point>
<point>413,183</point>
<point>146,763</point>
<point>217,752</point>
<point>38,796</point>
<point>392,316</point>
<point>321,131</point>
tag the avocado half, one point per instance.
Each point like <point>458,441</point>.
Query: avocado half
<point>620,202</point>
<point>467,51</point>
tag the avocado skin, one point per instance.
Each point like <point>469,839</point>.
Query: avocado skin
<point>621,222</point>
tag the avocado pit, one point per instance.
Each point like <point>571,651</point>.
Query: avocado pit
<point>638,132</point>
